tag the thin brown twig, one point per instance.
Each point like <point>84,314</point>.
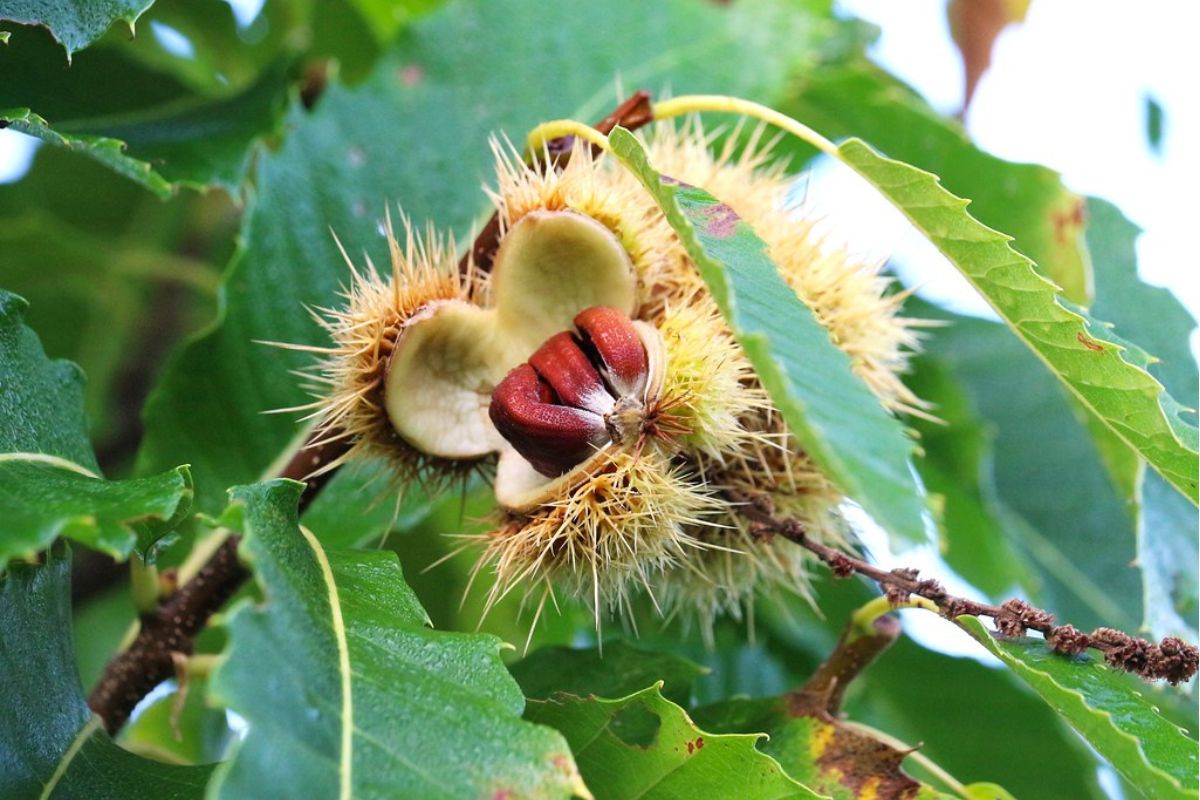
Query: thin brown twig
<point>1172,659</point>
<point>170,630</point>
<point>855,651</point>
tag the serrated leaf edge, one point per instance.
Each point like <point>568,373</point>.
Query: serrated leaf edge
<point>977,631</point>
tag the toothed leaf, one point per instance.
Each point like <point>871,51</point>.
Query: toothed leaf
<point>834,759</point>
<point>1103,706</point>
<point>48,481</point>
<point>41,501</point>
<point>829,409</point>
<point>645,746</point>
<point>75,24</point>
<point>364,700</point>
<point>1107,373</point>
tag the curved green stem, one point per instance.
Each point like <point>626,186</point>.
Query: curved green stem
<point>862,621</point>
<point>555,129</point>
<point>143,579</point>
<point>690,104</point>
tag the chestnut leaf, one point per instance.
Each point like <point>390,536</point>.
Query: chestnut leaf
<point>645,746</point>
<point>1107,373</point>
<point>348,692</point>
<point>1105,707</point>
<point>50,743</point>
<point>829,410</point>
<point>49,482</point>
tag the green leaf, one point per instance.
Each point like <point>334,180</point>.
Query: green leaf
<point>77,24</point>
<point>386,17</point>
<point>141,123</point>
<point>1166,544</point>
<point>224,57</point>
<point>645,746</point>
<point>364,699</point>
<point>829,410</point>
<point>50,743</point>
<point>614,672</point>
<point>41,401</point>
<point>855,97</point>
<point>1056,506</point>
<point>101,81</point>
<point>1102,706</point>
<point>89,292</point>
<point>340,168</point>
<point>109,152</point>
<point>180,728</point>
<point>41,501</point>
<point>359,506</point>
<point>975,533</point>
<point>1105,372</point>
<point>194,142</point>
<point>48,481</point>
<point>839,761</point>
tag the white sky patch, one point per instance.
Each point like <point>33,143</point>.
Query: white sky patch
<point>246,11</point>
<point>16,155</point>
<point>922,626</point>
<point>172,40</point>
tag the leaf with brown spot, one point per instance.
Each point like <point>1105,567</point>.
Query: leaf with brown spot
<point>647,747</point>
<point>839,760</point>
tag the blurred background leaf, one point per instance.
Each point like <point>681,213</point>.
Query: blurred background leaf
<point>75,25</point>
<point>50,743</point>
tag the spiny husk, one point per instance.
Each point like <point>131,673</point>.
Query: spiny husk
<point>348,380</point>
<point>736,443</point>
<point>606,537</point>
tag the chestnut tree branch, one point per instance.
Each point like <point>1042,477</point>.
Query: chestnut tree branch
<point>170,630</point>
<point>860,644</point>
<point>1172,659</point>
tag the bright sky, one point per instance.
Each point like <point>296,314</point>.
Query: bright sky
<point>1068,88</point>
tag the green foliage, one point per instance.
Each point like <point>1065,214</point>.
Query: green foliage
<point>41,401</point>
<point>365,699</point>
<point>50,743</point>
<point>829,410</point>
<point>1073,533</point>
<point>317,116</point>
<point>1113,716</point>
<point>645,746</point>
<point>839,761</point>
<point>75,25</point>
<point>109,152</point>
<point>1107,373</point>
<point>435,92</point>
<point>619,670</point>
<point>41,501</point>
<point>48,484</point>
